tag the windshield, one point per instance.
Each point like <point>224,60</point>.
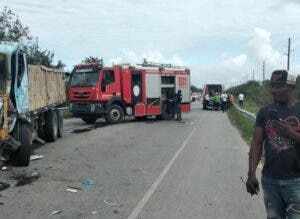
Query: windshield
<point>84,77</point>
<point>2,74</point>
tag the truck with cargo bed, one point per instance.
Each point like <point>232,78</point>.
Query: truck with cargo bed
<point>209,91</point>
<point>29,99</point>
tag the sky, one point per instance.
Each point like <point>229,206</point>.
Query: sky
<point>220,41</point>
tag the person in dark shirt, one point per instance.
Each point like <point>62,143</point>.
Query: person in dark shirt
<point>178,105</point>
<point>277,127</point>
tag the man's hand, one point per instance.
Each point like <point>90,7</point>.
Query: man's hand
<point>281,127</point>
<point>252,185</point>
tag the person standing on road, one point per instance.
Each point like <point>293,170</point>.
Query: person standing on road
<point>277,127</point>
<point>217,101</point>
<point>178,105</point>
<point>224,98</point>
<point>231,100</point>
<point>241,100</point>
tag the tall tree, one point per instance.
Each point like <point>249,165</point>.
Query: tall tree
<point>11,28</point>
<point>91,59</point>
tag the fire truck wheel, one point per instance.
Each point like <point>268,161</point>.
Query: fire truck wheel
<point>22,155</point>
<point>60,126</point>
<point>89,120</point>
<point>51,126</point>
<point>114,115</point>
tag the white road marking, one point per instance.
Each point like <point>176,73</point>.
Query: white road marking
<point>156,183</point>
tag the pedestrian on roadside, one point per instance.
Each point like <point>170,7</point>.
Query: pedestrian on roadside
<point>277,127</point>
<point>217,101</point>
<point>231,100</point>
<point>224,98</point>
<point>178,105</point>
<point>241,100</point>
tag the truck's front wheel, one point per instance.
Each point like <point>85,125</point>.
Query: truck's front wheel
<point>115,114</point>
<point>22,155</point>
<point>51,126</point>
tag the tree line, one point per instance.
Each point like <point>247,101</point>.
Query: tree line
<point>13,30</point>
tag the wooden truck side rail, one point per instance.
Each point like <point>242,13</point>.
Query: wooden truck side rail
<point>46,87</point>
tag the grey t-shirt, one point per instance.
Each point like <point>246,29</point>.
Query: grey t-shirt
<point>282,155</point>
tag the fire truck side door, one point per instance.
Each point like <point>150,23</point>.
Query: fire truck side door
<point>136,87</point>
<point>108,81</point>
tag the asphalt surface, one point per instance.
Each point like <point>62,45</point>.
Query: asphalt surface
<point>145,169</point>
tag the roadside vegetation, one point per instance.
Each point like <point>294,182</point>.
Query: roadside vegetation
<point>67,114</point>
<point>243,124</point>
<point>257,94</point>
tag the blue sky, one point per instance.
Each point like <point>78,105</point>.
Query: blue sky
<point>221,41</point>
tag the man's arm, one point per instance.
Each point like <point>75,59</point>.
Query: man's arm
<point>255,150</point>
<point>254,158</point>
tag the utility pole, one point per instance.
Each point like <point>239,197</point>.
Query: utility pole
<point>288,55</point>
<point>264,70</point>
<point>253,75</point>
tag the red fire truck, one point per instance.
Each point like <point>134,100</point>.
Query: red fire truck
<point>143,90</point>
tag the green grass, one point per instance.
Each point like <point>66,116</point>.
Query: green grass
<point>250,106</point>
<point>67,114</point>
<point>244,125</point>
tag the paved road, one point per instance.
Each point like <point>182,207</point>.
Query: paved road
<point>149,169</point>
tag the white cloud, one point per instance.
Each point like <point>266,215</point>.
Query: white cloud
<point>260,48</point>
<point>227,70</point>
<point>132,57</point>
<point>179,32</point>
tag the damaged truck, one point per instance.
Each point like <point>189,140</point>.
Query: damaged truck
<point>29,99</point>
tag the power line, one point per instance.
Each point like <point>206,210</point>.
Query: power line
<point>289,53</point>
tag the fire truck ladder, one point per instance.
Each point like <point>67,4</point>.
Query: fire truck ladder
<point>160,65</point>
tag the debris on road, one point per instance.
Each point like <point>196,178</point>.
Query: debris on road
<point>76,188</point>
<point>4,186</point>
<point>71,190</point>
<point>94,212</point>
<point>24,179</point>
<point>36,157</point>
<point>4,168</point>
<point>56,212</point>
<point>111,203</point>
<point>88,182</point>
<point>1,203</point>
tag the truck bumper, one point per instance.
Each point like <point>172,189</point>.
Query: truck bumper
<point>80,109</point>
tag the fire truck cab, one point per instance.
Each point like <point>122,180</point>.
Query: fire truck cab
<point>148,89</point>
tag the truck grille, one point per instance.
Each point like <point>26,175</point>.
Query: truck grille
<point>81,95</point>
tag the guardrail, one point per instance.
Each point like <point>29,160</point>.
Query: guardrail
<point>245,113</point>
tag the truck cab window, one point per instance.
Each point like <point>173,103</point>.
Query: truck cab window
<point>2,74</point>
<point>109,77</point>
<point>21,69</point>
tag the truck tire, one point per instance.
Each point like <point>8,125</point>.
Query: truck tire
<point>115,114</point>
<point>89,120</point>
<point>22,155</point>
<point>60,127</point>
<point>51,126</point>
